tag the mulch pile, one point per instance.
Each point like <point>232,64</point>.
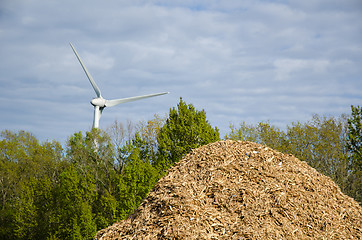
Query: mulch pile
<point>241,190</point>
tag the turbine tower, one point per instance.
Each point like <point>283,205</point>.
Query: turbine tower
<point>100,103</point>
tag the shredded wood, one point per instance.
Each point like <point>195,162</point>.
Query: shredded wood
<point>241,190</point>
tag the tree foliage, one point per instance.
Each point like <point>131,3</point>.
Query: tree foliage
<point>137,177</point>
<point>186,128</point>
<point>263,133</point>
<point>75,195</point>
<point>354,146</point>
<point>321,143</point>
<point>28,172</point>
<point>354,138</point>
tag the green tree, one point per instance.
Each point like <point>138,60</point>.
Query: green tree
<point>245,132</point>
<point>148,133</point>
<point>93,157</point>
<point>28,172</point>
<point>185,129</point>
<point>354,138</point>
<point>105,208</point>
<point>321,143</point>
<point>354,146</point>
<point>263,133</point>
<point>25,217</point>
<point>138,176</point>
<point>74,196</point>
<point>136,151</point>
<point>93,153</point>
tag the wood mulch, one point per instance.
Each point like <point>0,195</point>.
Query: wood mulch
<point>241,190</point>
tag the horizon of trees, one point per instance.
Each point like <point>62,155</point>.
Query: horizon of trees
<point>50,191</point>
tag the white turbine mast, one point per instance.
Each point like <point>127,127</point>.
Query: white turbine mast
<point>100,103</point>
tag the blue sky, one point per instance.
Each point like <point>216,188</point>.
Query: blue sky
<point>252,61</point>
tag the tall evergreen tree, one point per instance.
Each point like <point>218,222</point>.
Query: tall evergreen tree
<point>185,129</point>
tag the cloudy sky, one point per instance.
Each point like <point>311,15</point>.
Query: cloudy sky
<point>278,61</point>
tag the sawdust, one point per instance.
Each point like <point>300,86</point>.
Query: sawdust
<point>241,190</point>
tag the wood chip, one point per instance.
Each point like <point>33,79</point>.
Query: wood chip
<point>226,195</point>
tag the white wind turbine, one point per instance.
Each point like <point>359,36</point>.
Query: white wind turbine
<point>100,103</point>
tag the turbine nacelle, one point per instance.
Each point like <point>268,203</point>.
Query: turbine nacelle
<point>100,102</point>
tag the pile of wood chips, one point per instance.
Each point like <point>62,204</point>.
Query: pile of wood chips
<point>241,190</point>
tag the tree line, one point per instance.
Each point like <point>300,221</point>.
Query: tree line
<point>50,191</point>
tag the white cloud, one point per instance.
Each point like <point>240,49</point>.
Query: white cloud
<point>238,60</point>
<point>286,67</point>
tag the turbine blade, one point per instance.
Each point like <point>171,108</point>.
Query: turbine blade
<point>111,103</point>
<point>94,85</point>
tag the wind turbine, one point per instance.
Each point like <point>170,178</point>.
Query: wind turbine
<point>100,103</point>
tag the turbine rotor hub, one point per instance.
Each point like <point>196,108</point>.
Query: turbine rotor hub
<point>100,102</point>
